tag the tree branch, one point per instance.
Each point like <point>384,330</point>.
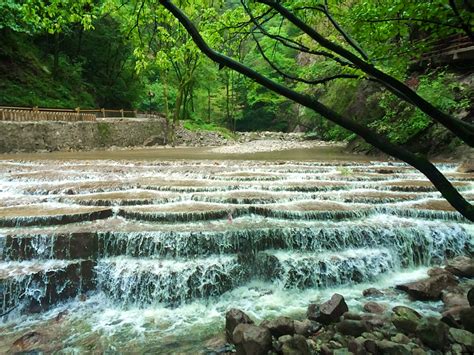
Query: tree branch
<point>423,165</point>
<point>464,130</point>
<point>465,26</point>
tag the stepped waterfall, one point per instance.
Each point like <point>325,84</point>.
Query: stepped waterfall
<point>144,255</point>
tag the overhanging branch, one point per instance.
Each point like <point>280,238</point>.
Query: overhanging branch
<point>424,166</point>
<point>463,130</point>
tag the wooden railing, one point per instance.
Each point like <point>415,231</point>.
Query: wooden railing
<point>22,114</point>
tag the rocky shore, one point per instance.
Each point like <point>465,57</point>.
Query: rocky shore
<point>332,328</point>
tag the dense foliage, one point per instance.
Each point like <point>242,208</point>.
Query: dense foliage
<point>135,54</point>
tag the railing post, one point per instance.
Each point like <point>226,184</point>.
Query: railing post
<point>121,112</point>
<point>103,112</point>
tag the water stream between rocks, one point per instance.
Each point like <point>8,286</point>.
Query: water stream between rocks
<point>148,253</point>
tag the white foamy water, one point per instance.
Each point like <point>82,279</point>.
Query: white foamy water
<point>181,242</point>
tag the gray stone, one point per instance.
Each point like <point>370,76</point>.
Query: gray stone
<point>405,319</point>
<point>374,307</point>
<point>392,348</point>
<point>470,296</point>
<point>234,317</point>
<point>372,292</point>
<point>462,266</point>
<point>354,328</point>
<point>250,339</point>
<point>297,345</point>
<point>284,338</point>
<point>462,337</point>
<point>430,288</point>
<point>400,338</point>
<point>433,333</point>
<point>356,346</point>
<point>457,349</point>
<point>280,326</point>
<point>328,312</point>
<point>466,316</point>
<point>306,327</point>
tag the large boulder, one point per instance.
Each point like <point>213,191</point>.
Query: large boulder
<point>462,337</point>
<point>374,307</point>
<point>372,292</point>
<point>405,319</point>
<point>297,345</point>
<point>234,317</point>
<point>430,288</point>
<point>466,167</point>
<point>454,297</point>
<point>433,333</point>
<point>252,340</point>
<point>328,312</point>
<point>391,348</point>
<point>306,327</point>
<point>461,266</point>
<point>280,326</point>
<point>354,328</point>
<point>467,318</point>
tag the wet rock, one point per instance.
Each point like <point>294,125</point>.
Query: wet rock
<point>352,315</point>
<point>400,338</point>
<point>457,349</point>
<point>430,288</point>
<point>391,348</point>
<point>60,316</point>
<point>234,317</point>
<point>435,271</point>
<point>466,316</point>
<point>28,341</point>
<point>153,140</point>
<point>470,296</point>
<point>433,333</point>
<point>462,337</point>
<point>405,319</point>
<point>466,167</point>
<point>354,328</point>
<point>306,327</point>
<point>297,345</point>
<point>326,350</point>
<point>372,292</point>
<point>342,351</point>
<point>328,312</point>
<point>374,307</point>
<point>250,339</point>
<point>284,338</point>
<point>280,326</point>
<point>462,266</point>
<point>454,297</point>
<point>356,346</point>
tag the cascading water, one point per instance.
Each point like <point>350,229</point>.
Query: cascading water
<point>130,256</point>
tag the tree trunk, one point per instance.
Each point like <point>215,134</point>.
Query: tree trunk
<point>56,55</point>
<point>208,105</point>
<point>167,113</point>
<point>176,115</point>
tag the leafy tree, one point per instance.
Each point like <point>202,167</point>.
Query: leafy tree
<point>359,61</point>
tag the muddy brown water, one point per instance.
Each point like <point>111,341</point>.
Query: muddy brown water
<point>329,153</point>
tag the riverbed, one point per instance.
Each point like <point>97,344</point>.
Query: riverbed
<point>145,250</point>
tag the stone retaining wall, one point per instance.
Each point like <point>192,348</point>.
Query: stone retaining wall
<point>52,136</point>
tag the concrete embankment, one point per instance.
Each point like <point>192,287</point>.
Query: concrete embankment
<point>63,136</point>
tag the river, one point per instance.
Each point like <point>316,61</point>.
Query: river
<point>144,250</point>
